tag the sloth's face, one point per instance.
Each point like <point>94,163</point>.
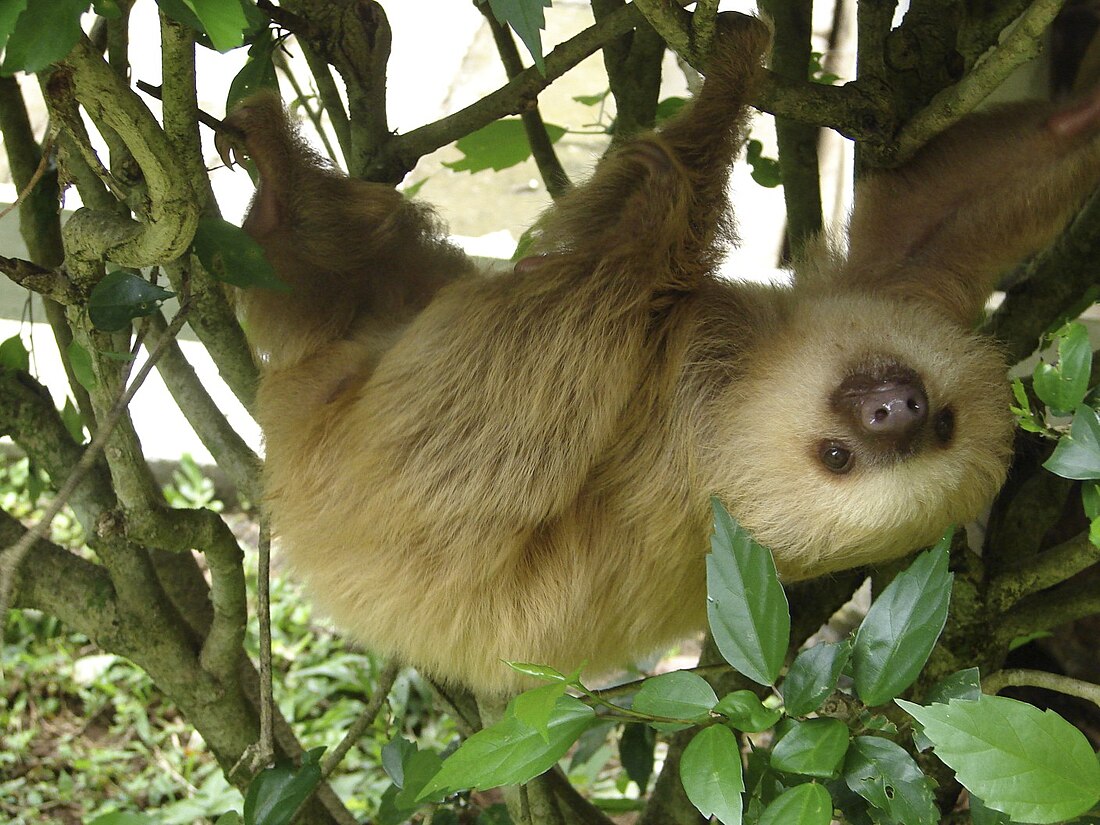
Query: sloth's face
<point>863,433</point>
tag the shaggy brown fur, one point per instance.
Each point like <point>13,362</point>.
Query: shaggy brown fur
<point>466,469</point>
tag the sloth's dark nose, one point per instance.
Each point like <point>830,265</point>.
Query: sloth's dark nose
<point>894,410</point>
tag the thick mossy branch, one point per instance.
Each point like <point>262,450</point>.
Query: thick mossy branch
<point>235,457</point>
<point>798,142</point>
<point>633,64</point>
<point>171,212</point>
<point>1051,567</point>
<point>1076,599</point>
<point>62,584</point>
<point>354,36</point>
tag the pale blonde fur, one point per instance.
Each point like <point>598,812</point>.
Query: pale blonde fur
<point>467,469</point>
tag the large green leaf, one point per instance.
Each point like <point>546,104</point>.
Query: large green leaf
<point>223,20</point>
<point>500,145</point>
<point>887,777</point>
<point>44,33</point>
<point>901,628</point>
<point>1033,765</point>
<point>808,804</point>
<point>710,769</point>
<point>746,606</point>
<point>122,296</point>
<point>815,747</point>
<point>1062,386</point>
<point>511,752</point>
<point>257,73</point>
<point>14,354</point>
<point>274,795</point>
<point>813,676</point>
<point>636,747</point>
<point>1077,455</point>
<point>231,255</point>
<point>676,695</point>
<point>527,19</point>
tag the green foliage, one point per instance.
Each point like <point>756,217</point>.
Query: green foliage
<point>1031,764</point>
<point>527,19</point>
<point>710,769</point>
<point>751,632</point>
<point>37,33</point>
<point>501,144</point>
<point>231,255</point>
<point>902,626</point>
<point>873,776</point>
<point>765,171</point>
<point>14,354</point>
<point>121,296</point>
<point>276,793</point>
<point>191,488</point>
<point>257,73</point>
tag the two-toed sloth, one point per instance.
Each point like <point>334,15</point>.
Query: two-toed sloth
<point>467,469</point>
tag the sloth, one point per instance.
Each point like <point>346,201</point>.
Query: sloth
<point>466,468</point>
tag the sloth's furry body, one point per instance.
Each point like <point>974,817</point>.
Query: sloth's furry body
<point>465,469</point>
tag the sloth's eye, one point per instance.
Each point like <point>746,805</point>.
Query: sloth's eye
<point>836,458</point>
<point>944,425</point>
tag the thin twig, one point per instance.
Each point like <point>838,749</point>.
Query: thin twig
<point>263,611</point>
<point>996,682</point>
<point>365,720</point>
<point>43,164</point>
<point>14,555</point>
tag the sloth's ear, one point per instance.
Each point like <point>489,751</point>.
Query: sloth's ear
<point>986,193</point>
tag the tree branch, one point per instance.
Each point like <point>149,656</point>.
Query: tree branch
<point>996,682</point>
<point>542,148</point>
<point>1049,568</point>
<point>1019,44</point>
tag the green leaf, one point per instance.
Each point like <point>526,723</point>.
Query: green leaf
<point>231,255</point>
<point>417,771</point>
<point>982,814</point>
<point>122,296</point>
<point>710,770</point>
<point>501,144</point>
<point>669,108</point>
<point>544,672</point>
<point>1077,455</point>
<point>902,626</point>
<point>746,712</point>
<point>746,606</point>
<point>765,171</point>
<point>81,362</point>
<point>44,33</point>
<point>962,684</point>
<point>1033,765</point>
<point>676,695</point>
<point>1063,386</point>
<point>14,355</point>
<point>223,20</point>
<point>813,676</point>
<point>887,777</point>
<point>815,747</point>
<point>808,804</point>
<point>527,19</point>
<point>592,100</point>
<point>636,747</point>
<point>395,754</point>
<point>9,14</point>
<point>511,752</point>
<point>73,421</point>
<point>535,707</point>
<point>257,73</point>
<point>275,794</point>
